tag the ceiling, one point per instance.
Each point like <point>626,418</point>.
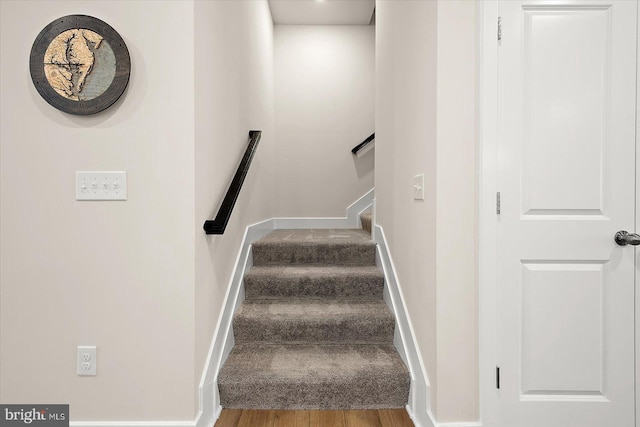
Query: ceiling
<point>322,12</point>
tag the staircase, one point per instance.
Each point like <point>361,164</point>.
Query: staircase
<point>313,331</point>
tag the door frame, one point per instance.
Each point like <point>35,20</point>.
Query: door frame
<point>637,222</point>
<point>487,111</point>
<point>487,134</point>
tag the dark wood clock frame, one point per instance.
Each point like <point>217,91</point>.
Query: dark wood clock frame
<point>82,107</point>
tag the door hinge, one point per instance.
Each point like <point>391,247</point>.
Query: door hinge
<point>498,203</point>
<point>497,377</point>
<point>499,28</point>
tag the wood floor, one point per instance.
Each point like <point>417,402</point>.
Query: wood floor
<point>275,418</point>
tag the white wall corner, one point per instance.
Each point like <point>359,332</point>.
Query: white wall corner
<point>358,207</point>
<point>487,108</point>
<point>223,341</point>
<point>352,220</point>
<point>221,344</point>
<point>207,415</point>
<point>418,407</point>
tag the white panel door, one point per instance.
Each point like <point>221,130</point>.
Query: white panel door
<point>566,148</point>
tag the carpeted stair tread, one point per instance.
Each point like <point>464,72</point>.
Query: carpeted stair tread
<point>366,219</point>
<point>324,320</point>
<point>313,331</point>
<point>267,376</point>
<point>315,246</point>
<point>314,281</point>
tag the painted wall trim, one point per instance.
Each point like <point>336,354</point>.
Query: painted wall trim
<point>487,119</point>
<point>412,415</point>
<point>405,339</point>
<point>461,424</point>
<point>195,423</point>
<point>133,424</point>
<point>222,341</point>
<point>358,207</point>
<point>221,344</point>
<point>352,220</point>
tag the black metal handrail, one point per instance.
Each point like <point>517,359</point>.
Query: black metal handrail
<point>363,143</point>
<point>218,225</point>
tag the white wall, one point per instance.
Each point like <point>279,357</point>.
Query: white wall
<point>406,106</point>
<point>119,275</point>
<point>139,278</point>
<point>234,94</point>
<point>457,231</point>
<point>324,106</point>
<point>425,111</point>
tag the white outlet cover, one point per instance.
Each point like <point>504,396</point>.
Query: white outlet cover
<point>106,185</point>
<point>87,360</point>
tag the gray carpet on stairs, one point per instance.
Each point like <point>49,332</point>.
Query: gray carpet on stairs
<point>324,247</point>
<point>329,377</point>
<point>313,331</point>
<point>322,321</point>
<point>300,281</point>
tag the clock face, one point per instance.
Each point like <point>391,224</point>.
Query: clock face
<point>79,64</point>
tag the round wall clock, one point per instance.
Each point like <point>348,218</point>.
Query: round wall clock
<point>79,64</point>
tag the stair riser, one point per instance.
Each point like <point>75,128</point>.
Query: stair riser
<point>257,287</point>
<point>366,222</point>
<point>374,331</point>
<point>359,393</point>
<point>269,254</point>
<point>313,332</point>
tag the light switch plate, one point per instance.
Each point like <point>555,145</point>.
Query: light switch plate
<point>101,185</point>
<point>418,187</point>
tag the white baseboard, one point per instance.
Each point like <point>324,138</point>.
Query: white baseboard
<point>222,341</point>
<point>461,424</point>
<point>358,207</point>
<point>133,424</point>
<point>413,417</point>
<point>404,339</point>
<point>421,420</point>
<point>418,408</point>
<point>352,220</point>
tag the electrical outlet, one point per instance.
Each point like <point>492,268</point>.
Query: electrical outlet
<point>87,361</point>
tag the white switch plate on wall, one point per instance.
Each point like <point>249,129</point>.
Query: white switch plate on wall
<point>418,187</point>
<point>101,185</point>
